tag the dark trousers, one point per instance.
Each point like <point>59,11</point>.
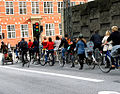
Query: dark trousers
<point>52,53</point>
<point>24,54</point>
<point>81,59</point>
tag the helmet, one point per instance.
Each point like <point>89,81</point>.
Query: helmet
<point>81,36</point>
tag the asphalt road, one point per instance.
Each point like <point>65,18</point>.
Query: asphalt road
<point>38,79</point>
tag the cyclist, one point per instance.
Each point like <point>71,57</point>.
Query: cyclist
<point>4,49</point>
<point>80,50</point>
<point>64,42</point>
<point>97,40</point>
<point>115,38</point>
<point>30,43</point>
<point>35,47</point>
<point>24,49</point>
<point>50,47</point>
<point>44,43</point>
<point>109,44</point>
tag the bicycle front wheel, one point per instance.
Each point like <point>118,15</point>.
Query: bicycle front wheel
<point>106,64</point>
<point>90,63</point>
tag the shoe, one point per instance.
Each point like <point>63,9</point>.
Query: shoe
<point>112,68</point>
<point>72,66</point>
<point>80,68</point>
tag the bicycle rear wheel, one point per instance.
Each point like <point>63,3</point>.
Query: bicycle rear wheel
<point>106,64</point>
<point>60,60</point>
<point>42,61</point>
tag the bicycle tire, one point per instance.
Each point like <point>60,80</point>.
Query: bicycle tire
<point>90,63</point>
<point>42,61</point>
<point>103,64</point>
<point>60,60</point>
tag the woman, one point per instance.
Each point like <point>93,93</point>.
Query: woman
<point>80,50</point>
<point>50,47</point>
<point>107,46</point>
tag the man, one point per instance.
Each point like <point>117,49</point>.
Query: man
<point>115,38</point>
<point>24,49</point>
<point>97,40</point>
<point>64,42</point>
<point>30,43</point>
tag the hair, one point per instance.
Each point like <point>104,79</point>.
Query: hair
<point>66,35</point>
<point>107,33</point>
<point>29,39</point>
<point>22,39</point>
<point>45,38</point>
<point>97,31</point>
<point>57,38</point>
<point>114,28</point>
<point>50,39</point>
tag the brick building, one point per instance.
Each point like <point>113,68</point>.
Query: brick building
<point>18,16</point>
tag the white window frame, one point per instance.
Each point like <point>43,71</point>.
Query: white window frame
<point>61,6</point>
<point>72,3</point>
<point>35,7</point>
<point>23,31</point>
<point>11,32</point>
<point>60,29</point>
<point>51,8</point>
<point>9,7</point>
<point>23,7</point>
<point>50,29</point>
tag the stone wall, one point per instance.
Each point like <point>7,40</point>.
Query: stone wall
<point>96,15</point>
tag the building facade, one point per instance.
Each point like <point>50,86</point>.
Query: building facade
<point>18,16</point>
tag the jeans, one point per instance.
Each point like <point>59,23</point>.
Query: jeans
<point>47,55</point>
<point>64,50</point>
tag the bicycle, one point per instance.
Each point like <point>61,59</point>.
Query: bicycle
<point>49,61</point>
<point>106,64</point>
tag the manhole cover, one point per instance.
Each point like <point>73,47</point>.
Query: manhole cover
<point>108,92</point>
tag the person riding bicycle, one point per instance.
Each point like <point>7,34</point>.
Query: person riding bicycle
<point>80,46</point>
<point>97,40</point>
<point>64,42</point>
<point>107,46</point>
<point>30,43</point>
<point>24,49</point>
<point>35,46</point>
<point>44,43</point>
<point>115,38</point>
<point>4,49</point>
<point>50,47</point>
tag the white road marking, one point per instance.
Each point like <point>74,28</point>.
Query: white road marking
<point>54,74</point>
<point>108,92</point>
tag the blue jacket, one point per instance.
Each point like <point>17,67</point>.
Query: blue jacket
<point>80,47</point>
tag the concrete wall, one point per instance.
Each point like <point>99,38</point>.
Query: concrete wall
<point>96,15</point>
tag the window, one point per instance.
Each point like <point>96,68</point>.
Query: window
<point>81,2</point>
<point>11,31</point>
<point>60,29</point>
<point>22,8</point>
<point>9,7</point>
<point>60,6</point>
<point>49,29</point>
<point>24,30</point>
<point>48,7</point>
<point>72,3</point>
<point>35,7</point>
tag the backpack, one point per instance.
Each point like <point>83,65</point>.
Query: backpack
<point>24,45</point>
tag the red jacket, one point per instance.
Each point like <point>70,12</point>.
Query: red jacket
<point>50,45</point>
<point>44,43</point>
<point>30,44</point>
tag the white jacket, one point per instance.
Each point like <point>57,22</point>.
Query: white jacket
<point>107,47</point>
